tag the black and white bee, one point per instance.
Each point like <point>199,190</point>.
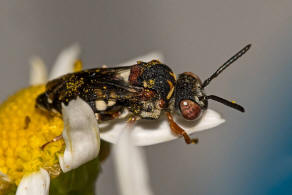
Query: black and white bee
<point>146,90</point>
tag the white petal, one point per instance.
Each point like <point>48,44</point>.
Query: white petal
<point>146,58</point>
<point>147,132</point>
<point>81,135</point>
<point>38,71</point>
<point>65,61</point>
<point>34,184</point>
<point>130,167</point>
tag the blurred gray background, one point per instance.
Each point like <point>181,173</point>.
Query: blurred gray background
<point>251,152</point>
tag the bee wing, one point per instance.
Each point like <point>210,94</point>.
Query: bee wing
<point>102,74</point>
<point>91,85</point>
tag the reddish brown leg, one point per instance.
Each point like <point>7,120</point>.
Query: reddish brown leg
<point>131,121</point>
<point>106,117</point>
<point>179,131</point>
<point>53,140</point>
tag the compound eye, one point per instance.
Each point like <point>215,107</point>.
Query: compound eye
<point>189,109</point>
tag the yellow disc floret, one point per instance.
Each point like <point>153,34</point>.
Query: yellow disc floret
<point>23,130</point>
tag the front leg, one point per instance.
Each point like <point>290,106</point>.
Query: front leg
<point>179,131</point>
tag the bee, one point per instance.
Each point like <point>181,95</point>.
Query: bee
<point>146,90</point>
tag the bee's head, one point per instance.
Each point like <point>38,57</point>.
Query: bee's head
<point>190,99</point>
<point>189,96</point>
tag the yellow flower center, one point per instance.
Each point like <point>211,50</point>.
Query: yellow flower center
<point>23,130</point>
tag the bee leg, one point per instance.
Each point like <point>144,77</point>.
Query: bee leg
<point>51,141</point>
<point>107,117</point>
<point>179,131</point>
<point>131,121</point>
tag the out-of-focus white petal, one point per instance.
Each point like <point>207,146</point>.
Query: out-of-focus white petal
<point>34,184</point>
<point>153,132</point>
<point>81,135</point>
<point>65,61</point>
<point>131,166</point>
<point>155,55</point>
<point>38,71</point>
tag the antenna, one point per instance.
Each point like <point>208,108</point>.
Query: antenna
<point>226,102</point>
<point>226,64</point>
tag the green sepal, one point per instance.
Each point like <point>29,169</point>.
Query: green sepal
<point>78,181</point>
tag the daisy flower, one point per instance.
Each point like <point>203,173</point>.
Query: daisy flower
<point>24,129</point>
<point>27,168</point>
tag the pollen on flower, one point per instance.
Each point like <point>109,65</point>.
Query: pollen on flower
<point>23,130</point>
